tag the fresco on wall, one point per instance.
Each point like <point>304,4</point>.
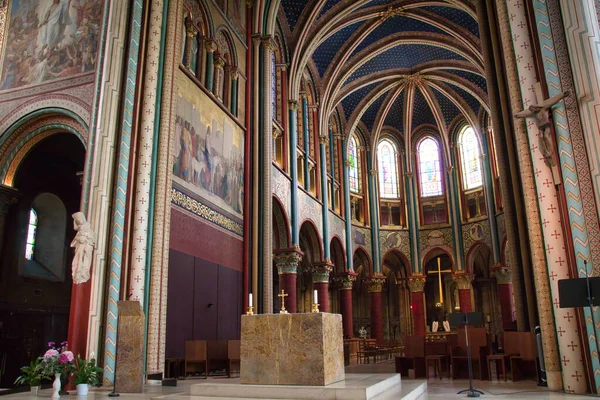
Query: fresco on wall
<point>50,39</point>
<point>208,151</point>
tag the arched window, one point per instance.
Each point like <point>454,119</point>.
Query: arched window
<point>31,232</point>
<point>388,170</point>
<point>353,171</point>
<point>430,168</point>
<point>469,159</point>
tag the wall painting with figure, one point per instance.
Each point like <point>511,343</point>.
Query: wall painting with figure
<point>208,151</point>
<point>49,39</point>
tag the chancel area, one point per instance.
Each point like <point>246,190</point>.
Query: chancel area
<point>299,192</point>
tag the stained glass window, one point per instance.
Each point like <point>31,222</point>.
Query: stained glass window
<point>430,168</point>
<point>353,171</point>
<point>469,158</point>
<point>31,231</point>
<point>388,170</point>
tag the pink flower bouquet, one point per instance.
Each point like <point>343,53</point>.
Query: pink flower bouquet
<point>57,360</point>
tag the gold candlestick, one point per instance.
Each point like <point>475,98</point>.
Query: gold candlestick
<point>315,308</point>
<point>250,310</point>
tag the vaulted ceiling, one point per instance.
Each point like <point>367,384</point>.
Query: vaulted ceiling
<point>399,64</point>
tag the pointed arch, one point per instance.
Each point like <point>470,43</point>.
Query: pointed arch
<point>310,233</point>
<point>338,255</point>
<point>280,225</point>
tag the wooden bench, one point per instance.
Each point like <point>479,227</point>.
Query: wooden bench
<point>195,356</point>
<point>414,357</point>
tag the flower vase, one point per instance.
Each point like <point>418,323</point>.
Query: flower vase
<point>35,390</point>
<point>82,389</point>
<point>56,386</point>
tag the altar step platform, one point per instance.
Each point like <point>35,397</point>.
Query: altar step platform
<point>354,387</point>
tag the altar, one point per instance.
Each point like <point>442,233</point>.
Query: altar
<point>292,349</point>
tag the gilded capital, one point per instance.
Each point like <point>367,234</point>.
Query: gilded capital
<point>373,172</point>
<point>347,280</point>
<point>463,280</point>
<point>219,62</point>
<point>235,74</point>
<point>268,42</point>
<point>375,283</point>
<point>287,260</point>
<point>416,283</point>
<point>323,139</point>
<point>503,274</point>
<point>348,163</point>
<point>321,271</point>
<point>293,105</point>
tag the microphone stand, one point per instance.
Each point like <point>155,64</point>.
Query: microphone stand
<point>471,392</point>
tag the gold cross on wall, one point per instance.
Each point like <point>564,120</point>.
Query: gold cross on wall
<point>283,295</point>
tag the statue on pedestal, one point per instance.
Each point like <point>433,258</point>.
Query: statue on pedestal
<point>84,246</point>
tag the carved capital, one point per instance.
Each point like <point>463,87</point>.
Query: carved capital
<point>8,197</point>
<point>416,283</point>
<point>346,280</point>
<point>373,172</point>
<point>211,45</point>
<point>190,29</point>
<point>268,43</point>
<point>503,274</point>
<point>375,283</point>
<point>287,260</point>
<point>409,175</point>
<point>321,271</point>
<point>219,62</point>
<point>293,105</point>
<point>323,140</point>
<point>235,74</point>
<point>463,280</point>
<point>348,163</point>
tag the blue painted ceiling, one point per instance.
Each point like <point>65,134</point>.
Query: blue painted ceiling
<point>404,56</point>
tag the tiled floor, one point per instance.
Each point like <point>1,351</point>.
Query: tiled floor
<point>437,389</point>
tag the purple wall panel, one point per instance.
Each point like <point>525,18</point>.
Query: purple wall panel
<point>205,294</point>
<point>229,303</point>
<point>180,303</point>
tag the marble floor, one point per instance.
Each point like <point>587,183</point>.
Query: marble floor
<point>436,389</point>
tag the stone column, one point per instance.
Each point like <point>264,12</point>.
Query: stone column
<point>503,275</point>
<point>287,261</point>
<point>320,279</point>
<point>463,281</point>
<point>235,74</point>
<point>416,283</point>
<point>347,280</point>
<point>211,46</point>
<point>375,287</point>
<point>190,34</point>
<point>219,64</point>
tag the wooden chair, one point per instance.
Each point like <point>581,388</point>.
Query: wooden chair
<point>500,360</point>
<point>522,349</point>
<point>479,353</point>
<point>365,352</point>
<point>233,354</point>
<point>195,353</point>
<point>414,357</point>
<point>438,353</point>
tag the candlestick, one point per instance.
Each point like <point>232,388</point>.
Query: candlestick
<point>315,308</point>
<point>315,297</point>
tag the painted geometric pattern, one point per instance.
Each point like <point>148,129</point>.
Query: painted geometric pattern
<point>553,235</point>
<point>116,255</point>
<point>395,239</point>
<point>281,188</point>
<point>337,227</point>
<point>310,209</point>
<point>577,218</point>
<point>476,232</point>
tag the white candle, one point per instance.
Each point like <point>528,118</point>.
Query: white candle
<point>249,299</point>
<point>316,298</point>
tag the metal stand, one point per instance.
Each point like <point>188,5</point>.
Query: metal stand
<point>470,391</point>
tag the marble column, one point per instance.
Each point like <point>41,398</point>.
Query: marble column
<point>416,283</point>
<point>293,146</point>
<point>347,280</point>
<point>463,281</point>
<point>287,261</point>
<point>503,275</point>
<point>211,46</point>
<point>218,84</point>
<point>375,283</point>
<point>190,35</point>
<point>320,279</point>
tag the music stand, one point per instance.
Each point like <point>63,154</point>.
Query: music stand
<point>474,318</point>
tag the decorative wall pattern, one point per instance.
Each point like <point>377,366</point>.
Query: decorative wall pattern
<point>435,237</point>
<point>337,226</point>
<point>361,237</point>
<point>281,188</point>
<point>309,208</point>
<point>395,239</point>
<point>476,232</point>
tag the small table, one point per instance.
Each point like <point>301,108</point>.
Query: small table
<point>503,358</point>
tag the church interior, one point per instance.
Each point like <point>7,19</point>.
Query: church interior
<point>404,164</point>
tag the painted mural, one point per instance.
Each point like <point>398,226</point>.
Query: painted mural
<point>50,39</point>
<point>208,151</point>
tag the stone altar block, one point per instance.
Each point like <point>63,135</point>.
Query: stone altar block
<point>129,368</point>
<point>292,349</point>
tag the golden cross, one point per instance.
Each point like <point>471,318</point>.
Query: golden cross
<point>439,272</point>
<point>283,295</point>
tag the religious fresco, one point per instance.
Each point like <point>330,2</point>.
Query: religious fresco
<point>50,39</point>
<point>208,151</point>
